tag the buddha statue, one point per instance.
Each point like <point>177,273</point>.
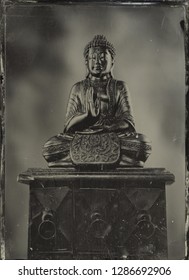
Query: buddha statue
<point>99,111</point>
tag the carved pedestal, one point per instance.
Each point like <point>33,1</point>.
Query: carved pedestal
<point>115,214</point>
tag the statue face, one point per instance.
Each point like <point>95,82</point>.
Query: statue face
<point>99,61</point>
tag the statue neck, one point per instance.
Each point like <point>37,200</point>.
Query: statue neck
<point>105,77</point>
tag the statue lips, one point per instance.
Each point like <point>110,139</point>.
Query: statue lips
<point>97,67</point>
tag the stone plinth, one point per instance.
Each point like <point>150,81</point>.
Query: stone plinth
<point>113,214</point>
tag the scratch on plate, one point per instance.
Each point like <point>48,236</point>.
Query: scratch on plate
<point>162,22</point>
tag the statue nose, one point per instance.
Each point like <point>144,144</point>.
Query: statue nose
<point>97,60</point>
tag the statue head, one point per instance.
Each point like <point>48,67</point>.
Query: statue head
<point>99,56</point>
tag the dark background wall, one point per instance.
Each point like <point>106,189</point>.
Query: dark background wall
<point>44,47</point>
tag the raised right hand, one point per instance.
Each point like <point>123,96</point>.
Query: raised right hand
<point>92,106</point>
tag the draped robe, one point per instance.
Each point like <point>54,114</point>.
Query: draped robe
<point>112,98</point>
